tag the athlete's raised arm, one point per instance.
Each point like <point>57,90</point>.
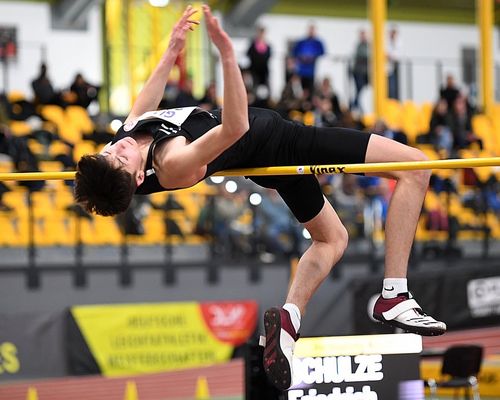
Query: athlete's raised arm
<point>235,104</point>
<point>151,94</point>
<point>188,163</point>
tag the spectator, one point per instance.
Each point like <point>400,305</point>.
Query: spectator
<point>347,198</point>
<point>306,53</point>
<point>292,96</point>
<point>461,125</point>
<point>259,53</point>
<point>220,218</point>
<point>84,91</point>
<point>261,97</point>
<point>360,67</point>
<point>281,235</point>
<point>450,92</point>
<point>382,129</point>
<point>393,56</point>
<point>209,100</point>
<point>326,91</point>
<point>185,96</point>
<point>44,91</point>
<point>375,204</point>
<point>323,112</point>
<point>440,134</point>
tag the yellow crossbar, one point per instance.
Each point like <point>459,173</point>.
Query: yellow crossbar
<point>328,169</point>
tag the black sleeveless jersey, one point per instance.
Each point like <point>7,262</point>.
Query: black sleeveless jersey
<point>165,124</point>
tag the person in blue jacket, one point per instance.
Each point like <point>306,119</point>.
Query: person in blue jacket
<point>306,52</point>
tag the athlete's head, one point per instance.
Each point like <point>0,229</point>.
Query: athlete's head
<point>106,182</point>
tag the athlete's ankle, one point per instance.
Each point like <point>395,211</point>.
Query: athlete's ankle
<point>294,313</point>
<point>393,286</point>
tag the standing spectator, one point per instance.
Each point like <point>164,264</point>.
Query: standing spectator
<point>393,56</point>
<point>43,90</point>
<point>259,53</point>
<point>306,52</point>
<point>450,92</point>
<point>85,92</point>
<point>360,67</point>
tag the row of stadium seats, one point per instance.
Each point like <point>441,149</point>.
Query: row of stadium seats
<point>55,221</point>
<point>55,224</point>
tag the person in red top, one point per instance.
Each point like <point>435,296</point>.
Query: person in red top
<point>177,148</point>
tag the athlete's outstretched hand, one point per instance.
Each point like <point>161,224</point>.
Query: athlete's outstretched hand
<point>217,35</point>
<point>178,36</point>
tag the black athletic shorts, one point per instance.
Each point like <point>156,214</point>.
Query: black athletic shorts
<point>273,141</point>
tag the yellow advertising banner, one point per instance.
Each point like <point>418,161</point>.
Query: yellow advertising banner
<point>144,338</point>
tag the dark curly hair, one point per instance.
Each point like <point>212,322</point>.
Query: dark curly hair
<point>102,188</point>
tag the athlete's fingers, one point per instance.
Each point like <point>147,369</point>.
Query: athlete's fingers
<point>189,12</point>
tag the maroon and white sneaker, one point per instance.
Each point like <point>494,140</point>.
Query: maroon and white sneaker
<point>279,345</point>
<point>405,313</point>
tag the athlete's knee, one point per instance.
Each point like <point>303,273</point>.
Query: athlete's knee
<point>342,239</point>
<point>336,244</point>
<point>420,177</point>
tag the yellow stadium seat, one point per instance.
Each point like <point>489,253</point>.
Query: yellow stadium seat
<point>14,230</point>
<point>411,121</point>
<point>368,120</point>
<point>57,148</point>
<point>392,114</point>
<point>80,119</point>
<point>429,151</point>
<point>36,147</point>
<point>425,116</point>
<point>6,165</point>
<point>50,166</point>
<point>20,128</point>
<point>17,200</point>
<point>43,203</point>
<point>308,118</point>
<point>483,128</point>
<point>59,229</point>
<point>66,128</point>
<point>82,148</point>
<point>53,113</point>
<point>16,95</point>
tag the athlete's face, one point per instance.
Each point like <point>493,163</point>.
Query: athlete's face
<point>125,154</point>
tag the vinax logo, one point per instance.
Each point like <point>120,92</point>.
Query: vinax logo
<point>318,170</point>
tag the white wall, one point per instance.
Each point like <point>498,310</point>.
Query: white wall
<point>68,51</point>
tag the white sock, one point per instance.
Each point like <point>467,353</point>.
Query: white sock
<point>294,312</point>
<point>393,286</point>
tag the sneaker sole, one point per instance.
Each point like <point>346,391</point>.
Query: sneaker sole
<point>275,363</point>
<point>419,330</point>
